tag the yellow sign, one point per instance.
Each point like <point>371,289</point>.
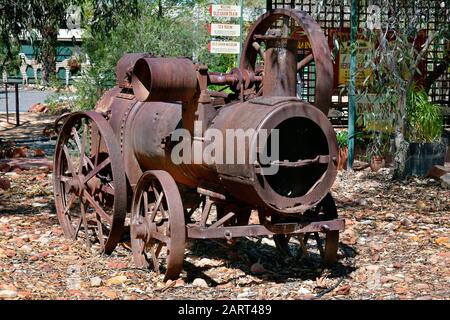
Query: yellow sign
<point>363,46</point>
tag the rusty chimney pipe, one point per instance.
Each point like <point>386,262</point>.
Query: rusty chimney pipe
<point>280,71</point>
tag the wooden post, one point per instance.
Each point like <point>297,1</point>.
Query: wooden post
<point>16,87</point>
<point>7,103</point>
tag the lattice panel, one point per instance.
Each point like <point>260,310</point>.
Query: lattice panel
<point>335,14</point>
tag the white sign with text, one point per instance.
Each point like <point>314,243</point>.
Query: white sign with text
<point>222,29</point>
<point>225,11</point>
<point>224,47</point>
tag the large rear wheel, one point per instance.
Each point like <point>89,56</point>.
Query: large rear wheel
<point>89,181</point>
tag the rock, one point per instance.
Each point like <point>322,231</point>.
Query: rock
<point>438,171</point>
<point>4,167</point>
<point>4,183</point>
<point>24,294</point>
<point>349,237</point>
<point>26,248</point>
<point>362,202</point>
<point>442,241</point>
<point>179,283</point>
<point>303,291</point>
<point>96,282</point>
<point>420,204</point>
<point>344,290</point>
<point>425,298</point>
<point>406,222</point>
<point>361,241</point>
<point>38,205</point>
<point>422,286</point>
<point>8,294</point>
<point>199,282</point>
<point>257,268</point>
<point>116,280</point>
<point>390,216</point>
<point>205,262</point>
<point>10,253</point>
<point>116,264</point>
<point>37,107</point>
<point>268,242</point>
<point>39,153</point>
<point>445,181</point>
<point>111,294</point>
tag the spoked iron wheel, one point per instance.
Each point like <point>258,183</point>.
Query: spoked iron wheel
<point>89,181</point>
<point>158,232</point>
<point>325,244</point>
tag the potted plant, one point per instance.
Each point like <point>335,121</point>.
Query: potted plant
<point>376,150</point>
<point>342,140</point>
<point>424,133</point>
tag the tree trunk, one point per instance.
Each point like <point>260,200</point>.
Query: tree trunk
<point>400,144</point>
<point>48,54</point>
<point>160,9</point>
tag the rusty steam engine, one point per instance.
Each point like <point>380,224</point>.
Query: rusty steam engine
<point>115,176</point>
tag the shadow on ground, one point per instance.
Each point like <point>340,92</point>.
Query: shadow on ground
<point>279,268</point>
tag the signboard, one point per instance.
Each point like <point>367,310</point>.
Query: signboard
<point>225,11</point>
<point>221,29</point>
<point>302,38</point>
<point>224,47</point>
<point>344,62</point>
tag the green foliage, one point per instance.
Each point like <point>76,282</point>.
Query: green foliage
<point>424,121</point>
<point>171,35</point>
<point>9,61</point>
<point>378,144</point>
<point>342,138</point>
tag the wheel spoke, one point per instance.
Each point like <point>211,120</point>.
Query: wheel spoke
<point>72,198</point>
<point>145,199</point>
<point>159,196</point>
<point>305,61</point>
<point>97,169</point>
<point>69,162</point>
<point>80,147</point>
<point>163,238</point>
<point>303,241</point>
<point>156,207</point>
<point>319,243</point>
<point>77,229</point>
<point>108,189</point>
<point>85,224</point>
<point>154,259</point>
<point>97,208</point>
<point>100,232</point>
<point>95,144</point>
<point>83,145</point>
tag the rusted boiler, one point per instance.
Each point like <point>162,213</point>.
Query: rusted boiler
<point>164,158</point>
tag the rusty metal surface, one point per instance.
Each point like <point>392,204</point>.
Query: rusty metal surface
<point>319,46</point>
<point>280,67</point>
<point>164,79</point>
<point>124,68</point>
<point>196,232</point>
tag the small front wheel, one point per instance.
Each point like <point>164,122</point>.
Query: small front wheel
<point>158,231</point>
